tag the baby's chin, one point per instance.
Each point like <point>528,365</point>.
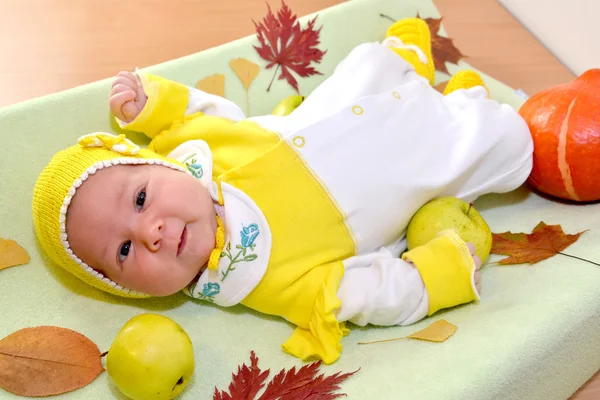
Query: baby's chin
<point>166,290</point>
<point>174,287</point>
<point>162,287</point>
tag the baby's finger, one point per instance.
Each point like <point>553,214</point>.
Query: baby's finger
<point>117,100</point>
<point>477,262</point>
<point>127,74</point>
<point>122,80</point>
<point>122,88</point>
<point>141,95</point>
<point>121,96</point>
<point>130,111</point>
<point>477,278</point>
<point>471,247</point>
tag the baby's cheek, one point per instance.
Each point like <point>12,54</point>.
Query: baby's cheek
<point>208,245</point>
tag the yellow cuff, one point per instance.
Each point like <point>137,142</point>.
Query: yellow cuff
<point>167,102</point>
<point>322,339</point>
<point>447,270</point>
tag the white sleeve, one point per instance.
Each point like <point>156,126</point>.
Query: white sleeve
<point>213,105</point>
<point>381,289</point>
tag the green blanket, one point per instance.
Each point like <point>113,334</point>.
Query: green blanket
<point>534,335</point>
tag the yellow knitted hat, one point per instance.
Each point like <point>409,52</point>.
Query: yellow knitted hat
<point>57,185</point>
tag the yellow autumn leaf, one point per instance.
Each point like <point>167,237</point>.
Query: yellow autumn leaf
<point>439,331</point>
<point>245,70</point>
<point>214,84</point>
<point>12,254</point>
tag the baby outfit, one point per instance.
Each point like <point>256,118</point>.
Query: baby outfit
<point>313,206</point>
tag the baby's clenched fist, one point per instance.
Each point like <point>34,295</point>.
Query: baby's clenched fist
<point>127,97</point>
<point>477,260</point>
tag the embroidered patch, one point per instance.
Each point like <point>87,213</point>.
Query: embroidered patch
<point>192,164</point>
<point>209,290</point>
<point>245,252</point>
<point>249,234</point>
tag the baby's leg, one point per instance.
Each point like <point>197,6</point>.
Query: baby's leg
<point>370,69</point>
<point>496,145</point>
<point>374,68</point>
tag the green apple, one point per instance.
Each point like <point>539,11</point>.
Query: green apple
<point>287,105</point>
<point>151,358</point>
<point>450,213</point>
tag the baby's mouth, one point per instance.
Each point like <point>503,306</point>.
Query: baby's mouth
<point>182,241</point>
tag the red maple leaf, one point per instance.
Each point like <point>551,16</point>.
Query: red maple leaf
<point>246,383</point>
<point>304,384</point>
<point>285,43</point>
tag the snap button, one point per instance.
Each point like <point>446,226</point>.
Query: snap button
<point>357,110</point>
<point>299,141</point>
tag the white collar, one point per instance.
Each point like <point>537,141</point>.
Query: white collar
<point>243,240</point>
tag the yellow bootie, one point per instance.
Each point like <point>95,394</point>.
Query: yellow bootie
<point>465,80</point>
<point>411,39</point>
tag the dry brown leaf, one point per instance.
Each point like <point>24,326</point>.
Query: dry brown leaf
<point>440,87</point>
<point>544,242</point>
<point>214,84</point>
<point>47,360</point>
<point>442,48</point>
<point>12,254</point>
<point>439,331</point>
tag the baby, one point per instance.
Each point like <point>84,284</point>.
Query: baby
<point>301,216</point>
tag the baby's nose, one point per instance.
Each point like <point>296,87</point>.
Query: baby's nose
<point>153,235</point>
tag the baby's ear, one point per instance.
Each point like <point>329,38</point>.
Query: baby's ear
<point>197,157</point>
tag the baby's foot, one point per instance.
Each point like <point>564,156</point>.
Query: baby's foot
<point>411,39</point>
<point>465,79</point>
<point>127,97</point>
<point>477,267</point>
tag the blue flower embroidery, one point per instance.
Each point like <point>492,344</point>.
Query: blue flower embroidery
<point>245,253</point>
<point>211,289</point>
<point>194,166</point>
<point>196,170</point>
<point>249,234</point>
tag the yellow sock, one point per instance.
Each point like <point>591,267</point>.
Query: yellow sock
<point>465,80</point>
<point>414,32</point>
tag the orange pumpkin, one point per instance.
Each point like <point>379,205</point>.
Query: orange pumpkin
<point>565,124</point>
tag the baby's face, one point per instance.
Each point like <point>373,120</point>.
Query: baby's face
<point>149,228</point>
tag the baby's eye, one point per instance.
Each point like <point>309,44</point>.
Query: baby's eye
<point>141,199</point>
<point>124,251</point>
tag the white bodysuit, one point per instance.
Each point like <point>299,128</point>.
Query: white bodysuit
<point>383,142</point>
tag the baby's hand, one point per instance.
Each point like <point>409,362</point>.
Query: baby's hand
<point>127,97</point>
<point>477,266</point>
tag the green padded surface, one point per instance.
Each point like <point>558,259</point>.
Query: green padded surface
<point>535,334</point>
